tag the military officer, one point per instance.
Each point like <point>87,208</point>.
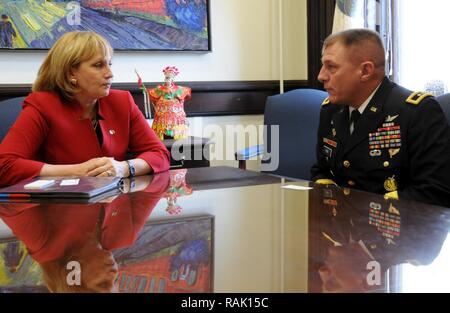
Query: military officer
<point>373,134</point>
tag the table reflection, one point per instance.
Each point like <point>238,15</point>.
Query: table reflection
<point>233,231</point>
<point>72,244</point>
<point>358,238</point>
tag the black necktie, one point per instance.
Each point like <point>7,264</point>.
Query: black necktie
<point>353,120</point>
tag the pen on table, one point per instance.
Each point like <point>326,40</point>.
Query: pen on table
<point>14,195</point>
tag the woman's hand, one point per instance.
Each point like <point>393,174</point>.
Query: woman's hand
<point>103,167</point>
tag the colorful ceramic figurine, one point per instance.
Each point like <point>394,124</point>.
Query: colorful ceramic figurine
<point>168,101</point>
<point>177,188</point>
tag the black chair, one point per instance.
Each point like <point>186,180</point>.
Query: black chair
<point>444,101</point>
<point>297,114</point>
<point>9,111</point>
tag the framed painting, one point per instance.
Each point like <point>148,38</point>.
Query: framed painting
<point>168,256</point>
<point>159,25</point>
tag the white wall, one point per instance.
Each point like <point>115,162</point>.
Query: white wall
<point>245,46</point>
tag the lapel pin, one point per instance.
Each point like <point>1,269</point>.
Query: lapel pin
<point>112,131</point>
<point>374,109</point>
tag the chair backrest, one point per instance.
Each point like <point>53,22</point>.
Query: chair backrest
<point>444,101</point>
<point>9,111</point>
<point>297,113</point>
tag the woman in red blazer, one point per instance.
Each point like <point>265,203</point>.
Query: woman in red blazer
<point>74,125</point>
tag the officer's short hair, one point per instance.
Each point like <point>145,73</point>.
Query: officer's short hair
<point>365,39</point>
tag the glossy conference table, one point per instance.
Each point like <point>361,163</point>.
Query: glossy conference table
<point>221,229</point>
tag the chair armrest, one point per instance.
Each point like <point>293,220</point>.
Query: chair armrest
<point>249,152</point>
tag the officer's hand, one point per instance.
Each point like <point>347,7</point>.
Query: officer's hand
<point>391,195</point>
<point>325,182</point>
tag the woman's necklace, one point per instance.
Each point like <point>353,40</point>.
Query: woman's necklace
<point>94,122</point>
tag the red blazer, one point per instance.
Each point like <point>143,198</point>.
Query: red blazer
<point>50,131</point>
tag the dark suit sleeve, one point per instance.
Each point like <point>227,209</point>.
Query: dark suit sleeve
<point>321,170</point>
<point>428,144</point>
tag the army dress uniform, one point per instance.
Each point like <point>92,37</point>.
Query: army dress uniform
<point>400,143</point>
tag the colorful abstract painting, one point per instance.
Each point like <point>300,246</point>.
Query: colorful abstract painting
<point>167,257</point>
<point>128,25</point>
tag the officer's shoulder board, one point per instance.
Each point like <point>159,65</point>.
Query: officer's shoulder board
<point>416,97</point>
<point>326,101</point>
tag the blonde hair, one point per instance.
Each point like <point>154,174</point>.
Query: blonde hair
<point>68,52</point>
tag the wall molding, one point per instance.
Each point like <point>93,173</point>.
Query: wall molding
<point>209,98</point>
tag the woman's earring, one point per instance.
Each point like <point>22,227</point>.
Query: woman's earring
<point>73,81</point>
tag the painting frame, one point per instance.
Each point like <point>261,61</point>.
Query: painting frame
<point>147,25</point>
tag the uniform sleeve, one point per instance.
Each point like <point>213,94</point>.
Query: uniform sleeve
<point>144,143</point>
<point>428,142</point>
<point>19,149</point>
<point>321,170</point>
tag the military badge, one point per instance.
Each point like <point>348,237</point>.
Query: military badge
<point>330,142</point>
<point>393,152</point>
<point>387,136</point>
<point>327,151</point>
<point>390,184</point>
<point>327,193</point>
<point>387,223</point>
<point>375,153</point>
<point>393,210</point>
<point>390,119</point>
<point>332,202</point>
